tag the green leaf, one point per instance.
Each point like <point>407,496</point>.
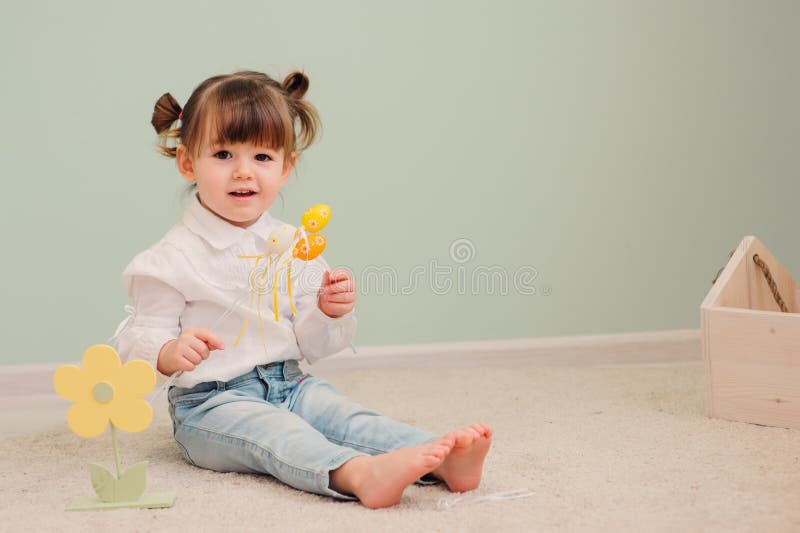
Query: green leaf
<point>129,487</point>
<point>104,482</point>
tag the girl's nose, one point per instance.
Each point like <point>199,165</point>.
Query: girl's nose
<point>242,172</point>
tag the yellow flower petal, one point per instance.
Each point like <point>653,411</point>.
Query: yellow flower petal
<point>88,419</point>
<point>71,383</point>
<point>131,414</point>
<point>136,379</point>
<point>101,363</point>
<point>122,404</point>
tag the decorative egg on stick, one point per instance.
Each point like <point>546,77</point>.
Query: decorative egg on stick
<point>284,244</point>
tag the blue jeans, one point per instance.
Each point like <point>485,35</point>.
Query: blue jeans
<point>276,420</point>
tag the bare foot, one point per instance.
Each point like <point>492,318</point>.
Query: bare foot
<point>461,470</point>
<point>379,480</point>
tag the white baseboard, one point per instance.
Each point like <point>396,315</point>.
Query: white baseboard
<point>648,348</point>
<point>659,347</point>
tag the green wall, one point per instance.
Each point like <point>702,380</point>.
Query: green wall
<point>618,149</point>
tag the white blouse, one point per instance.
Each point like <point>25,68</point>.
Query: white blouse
<point>194,277</point>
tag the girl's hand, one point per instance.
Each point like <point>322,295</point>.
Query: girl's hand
<point>337,295</point>
<point>187,351</point>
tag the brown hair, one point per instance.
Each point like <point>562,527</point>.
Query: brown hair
<point>245,106</point>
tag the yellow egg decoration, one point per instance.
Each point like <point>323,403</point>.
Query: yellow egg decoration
<point>305,244</point>
<point>307,252</point>
<point>316,218</point>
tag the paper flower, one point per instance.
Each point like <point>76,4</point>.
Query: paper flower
<point>105,391</point>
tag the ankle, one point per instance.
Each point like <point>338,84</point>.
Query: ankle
<point>348,478</point>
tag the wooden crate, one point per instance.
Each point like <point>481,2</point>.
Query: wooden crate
<point>751,349</point>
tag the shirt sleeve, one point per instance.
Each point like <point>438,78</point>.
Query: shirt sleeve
<point>318,335</point>
<point>156,320</point>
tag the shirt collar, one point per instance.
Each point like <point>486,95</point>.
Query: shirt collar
<point>218,232</point>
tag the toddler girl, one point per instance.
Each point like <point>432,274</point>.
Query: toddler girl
<point>246,406</point>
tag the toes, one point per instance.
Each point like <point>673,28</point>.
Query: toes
<point>441,451</point>
<point>439,447</point>
<point>430,462</point>
<point>483,429</point>
<point>463,438</point>
<point>448,440</point>
<point>434,456</point>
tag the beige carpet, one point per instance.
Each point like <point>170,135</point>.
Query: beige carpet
<point>601,448</point>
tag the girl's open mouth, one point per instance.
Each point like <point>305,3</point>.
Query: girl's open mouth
<point>243,194</point>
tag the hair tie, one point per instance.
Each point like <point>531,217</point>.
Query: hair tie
<point>180,115</point>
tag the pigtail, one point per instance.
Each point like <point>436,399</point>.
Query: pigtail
<point>296,84</point>
<point>166,111</point>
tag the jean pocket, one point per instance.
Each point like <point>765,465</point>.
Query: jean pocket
<point>299,385</point>
<point>180,406</point>
<point>297,376</point>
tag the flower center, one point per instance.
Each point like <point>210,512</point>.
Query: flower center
<point>103,392</point>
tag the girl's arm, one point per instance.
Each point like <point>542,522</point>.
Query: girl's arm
<point>156,320</point>
<point>319,335</point>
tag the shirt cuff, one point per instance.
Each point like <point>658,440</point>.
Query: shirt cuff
<point>319,336</point>
<point>148,347</point>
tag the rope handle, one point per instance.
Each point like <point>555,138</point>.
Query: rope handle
<point>771,282</point>
<point>767,274</point>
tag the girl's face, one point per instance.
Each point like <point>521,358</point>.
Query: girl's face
<point>238,182</point>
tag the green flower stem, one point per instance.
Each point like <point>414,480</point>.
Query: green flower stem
<point>116,448</point>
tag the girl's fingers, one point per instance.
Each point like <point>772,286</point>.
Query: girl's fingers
<point>191,355</point>
<point>339,274</point>
<point>210,338</point>
<point>337,310</point>
<point>200,347</point>
<point>336,276</point>
<point>185,365</point>
<point>341,298</point>
<point>340,286</point>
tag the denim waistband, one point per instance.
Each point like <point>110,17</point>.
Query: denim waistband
<point>287,370</point>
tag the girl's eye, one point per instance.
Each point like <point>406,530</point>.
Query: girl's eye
<point>222,154</point>
<point>262,157</point>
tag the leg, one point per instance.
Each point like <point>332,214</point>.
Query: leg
<point>400,454</point>
<point>235,432</point>
<point>349,424</point>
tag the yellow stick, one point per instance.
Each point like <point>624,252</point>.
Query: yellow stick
<point>289,281</point>
<point>275,293</point>
<point>252,293</point>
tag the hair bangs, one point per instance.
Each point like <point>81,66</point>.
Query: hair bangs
<point>242,112</point>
